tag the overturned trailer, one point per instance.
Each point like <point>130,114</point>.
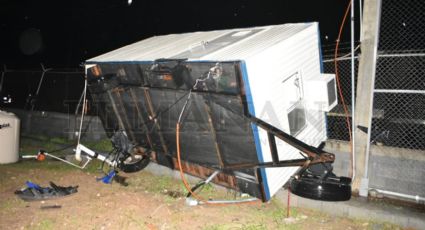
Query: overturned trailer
<point>250,103</point>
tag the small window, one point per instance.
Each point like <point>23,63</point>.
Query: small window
<point>331,92</point>
<point>292,87</point>
<point>296,118</point>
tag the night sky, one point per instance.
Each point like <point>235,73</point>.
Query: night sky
<point>66,33</point>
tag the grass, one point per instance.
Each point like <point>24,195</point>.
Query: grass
<point>30,145</point>
<point>103,145</point>
<point>263,216</point>
<point>167,188</point>
<point>374,224</point>
<point>33,164</point>
<point>169,191</point>
<point>50,165</point>
<point>8,205</point>
<point>249,226</point>
<point>135,219</point>
<point>172,189</point>
<point>260,226</point>
<point>45,224</point>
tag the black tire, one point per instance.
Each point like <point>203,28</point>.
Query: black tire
<point>330,189</point>
<point>135,165</point>
<point>133,158</point>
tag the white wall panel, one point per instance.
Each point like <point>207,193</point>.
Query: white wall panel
<point>166,46</point>
<point>266,71</point>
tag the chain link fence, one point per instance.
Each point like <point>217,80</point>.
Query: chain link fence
<point>49,104</point>
<point>336,118</point>
<point>398,124</point>
<point>57,90</point>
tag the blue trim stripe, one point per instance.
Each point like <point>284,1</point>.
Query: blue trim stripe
<point>320,48</point>
<point>254,127</point>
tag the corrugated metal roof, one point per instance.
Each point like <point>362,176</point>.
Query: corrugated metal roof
<point>219,45</point>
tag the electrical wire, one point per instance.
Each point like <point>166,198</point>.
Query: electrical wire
<point>183,178</point>
<point>201,80</point>
<point>347,115</point>
<point>169,107</point>
<point>179,121</point>
<point>349,54</point>
<point>188,187</point>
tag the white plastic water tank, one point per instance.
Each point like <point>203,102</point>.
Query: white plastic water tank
<point>9,138</point>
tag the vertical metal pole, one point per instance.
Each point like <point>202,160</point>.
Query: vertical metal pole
<point>79,102</point>
<point>83,110</point>
<point>353,120</point>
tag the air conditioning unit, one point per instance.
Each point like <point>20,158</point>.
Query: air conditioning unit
<point>321,93</point>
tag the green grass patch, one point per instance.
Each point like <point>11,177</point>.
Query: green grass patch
<point>249,226</point>
<point>103,145</point>
<point>30,146</point>
<point>34,164</point>
<point>45,224</point>
<point>10,204</point>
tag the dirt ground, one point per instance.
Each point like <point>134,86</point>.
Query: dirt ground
<point>148,202</point>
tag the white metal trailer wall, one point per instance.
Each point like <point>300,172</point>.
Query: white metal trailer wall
<point>266,72</point>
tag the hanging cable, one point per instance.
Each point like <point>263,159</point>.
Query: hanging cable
<point>347,115</point>
<point>183,178</point>
<point>169,107</point>
<point>188,187</point>
<point>349,54</point>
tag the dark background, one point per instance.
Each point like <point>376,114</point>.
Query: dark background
<point>63,34</point>
<point>66,33</point>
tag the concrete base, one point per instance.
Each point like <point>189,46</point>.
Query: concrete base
<point>364,187</point>
<point>392,169</point>
<point>360,208</point>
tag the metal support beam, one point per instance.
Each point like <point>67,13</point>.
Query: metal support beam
<point>353,95</point>
<point>365,86</point>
